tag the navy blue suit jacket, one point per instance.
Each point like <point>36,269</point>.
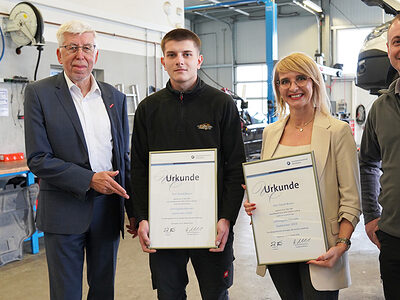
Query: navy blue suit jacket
<point>57,154</point>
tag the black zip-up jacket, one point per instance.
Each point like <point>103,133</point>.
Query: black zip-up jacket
<point>198,119</point>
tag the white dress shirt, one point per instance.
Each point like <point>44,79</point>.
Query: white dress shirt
<point>95,124</point>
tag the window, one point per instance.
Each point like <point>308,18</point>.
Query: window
<point>251,85</point>
<point>349,43</point>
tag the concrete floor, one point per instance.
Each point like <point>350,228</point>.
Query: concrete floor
<point>28,279</point>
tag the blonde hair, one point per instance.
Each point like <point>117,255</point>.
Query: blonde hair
<point>303,64</point>
<point>74,27</point>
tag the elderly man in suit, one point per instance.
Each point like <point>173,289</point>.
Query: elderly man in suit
<point>76,134</point>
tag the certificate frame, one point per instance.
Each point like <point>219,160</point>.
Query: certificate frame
<point>183,214</point>
<point>288,224</point>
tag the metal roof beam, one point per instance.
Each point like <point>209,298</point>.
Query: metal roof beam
<point>221,4</point>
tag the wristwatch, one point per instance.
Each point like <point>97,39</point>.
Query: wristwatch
<point>344,241</point>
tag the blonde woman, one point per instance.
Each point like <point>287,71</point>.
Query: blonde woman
<point>298,85</point>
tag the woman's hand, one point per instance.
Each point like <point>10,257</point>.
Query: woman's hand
<point>248,207</point>
<point>329,259</point>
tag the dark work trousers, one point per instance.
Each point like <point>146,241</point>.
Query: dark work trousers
<point>293,282</point>
<point>214,272</point>
<point>389,259</point>
<point>65,255</point>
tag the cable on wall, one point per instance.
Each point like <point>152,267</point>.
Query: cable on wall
<point>221,86</point>
<point>211,78</point>
<point>3,43</point>
<point>40,49</point>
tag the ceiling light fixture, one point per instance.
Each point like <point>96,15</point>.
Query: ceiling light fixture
<point>312,6</point>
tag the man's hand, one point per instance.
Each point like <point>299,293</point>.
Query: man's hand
<point>143,233</point>
<point>104,183</point>
<point>132,228</point>
<point>370,228</point>
<point>223,226</point>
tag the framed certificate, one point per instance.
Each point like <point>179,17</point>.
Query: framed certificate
<point>183,199</point>
<point>288,224</point>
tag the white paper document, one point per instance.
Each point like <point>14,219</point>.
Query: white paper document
<point>4,111</point>
<point>288,222</point>
<point>183,199</point>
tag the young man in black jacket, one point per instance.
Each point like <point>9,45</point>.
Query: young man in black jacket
<point>189,114</point>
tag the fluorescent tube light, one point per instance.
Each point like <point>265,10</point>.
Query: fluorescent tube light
<point>312,6</point>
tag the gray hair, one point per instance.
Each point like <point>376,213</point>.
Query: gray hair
<point>74,27</point>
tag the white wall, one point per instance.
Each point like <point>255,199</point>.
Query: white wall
<point>151,14</point>
<point>355,12</point>
<point>250,39</point>
<point>145,20</point>
<point>248,34</point>
<point>361,97</point>
<point>217,50</point>
<point>123,59</point>
<point>297,34</point>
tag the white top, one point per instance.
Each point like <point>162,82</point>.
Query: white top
<point>95,124</point>
<point>283,150</point>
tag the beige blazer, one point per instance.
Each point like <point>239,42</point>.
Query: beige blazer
<point>339,179</point>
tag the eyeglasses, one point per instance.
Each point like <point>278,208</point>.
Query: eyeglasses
<point>300,80</point>
<point>88,48</point>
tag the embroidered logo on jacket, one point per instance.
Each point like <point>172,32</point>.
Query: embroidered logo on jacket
<point>205,126</point>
